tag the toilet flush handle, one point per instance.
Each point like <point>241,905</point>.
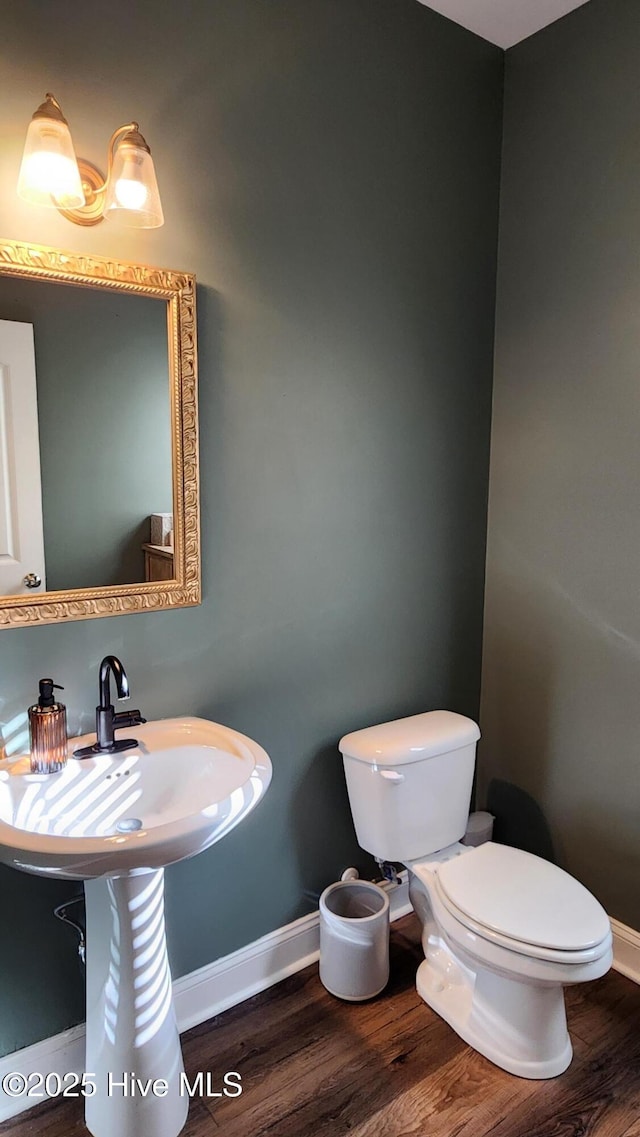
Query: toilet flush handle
<point>392,776</point>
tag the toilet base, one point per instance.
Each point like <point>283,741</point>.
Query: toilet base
<point>519,1026</point>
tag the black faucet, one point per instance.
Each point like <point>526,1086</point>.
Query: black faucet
<point>107,721</point>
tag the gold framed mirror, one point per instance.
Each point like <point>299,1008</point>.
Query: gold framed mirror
<point>106,444</point>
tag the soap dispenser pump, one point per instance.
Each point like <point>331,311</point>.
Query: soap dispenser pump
<point>48,731</point>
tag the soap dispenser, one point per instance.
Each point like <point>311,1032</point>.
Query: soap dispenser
<point>48,731</point>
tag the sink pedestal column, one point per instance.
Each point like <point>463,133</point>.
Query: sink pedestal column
<point>132,1037</point>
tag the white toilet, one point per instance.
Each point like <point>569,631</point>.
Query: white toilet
<point>503,931</point>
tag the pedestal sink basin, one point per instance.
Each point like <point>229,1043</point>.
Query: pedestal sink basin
<point>187,784</point>
<point>115,821</point>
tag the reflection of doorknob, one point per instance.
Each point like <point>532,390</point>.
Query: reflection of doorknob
<point>32,580</point>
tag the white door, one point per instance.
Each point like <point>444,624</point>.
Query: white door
<point>21,535</point>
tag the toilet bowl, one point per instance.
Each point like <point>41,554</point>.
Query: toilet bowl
<point>501,992</point>
<point>503,931</point>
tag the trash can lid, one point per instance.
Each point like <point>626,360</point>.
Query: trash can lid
<point>354,899</point>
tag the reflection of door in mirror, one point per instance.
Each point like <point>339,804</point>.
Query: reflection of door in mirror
<point>21,533</point>
<point>102,374</point>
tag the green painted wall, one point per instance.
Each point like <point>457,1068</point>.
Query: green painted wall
<point>561,673</point>
<point>329,170</point>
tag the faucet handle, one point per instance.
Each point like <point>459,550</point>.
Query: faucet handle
<point>127,718</point>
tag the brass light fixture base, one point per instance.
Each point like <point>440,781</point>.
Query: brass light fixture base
<point>93,185</point>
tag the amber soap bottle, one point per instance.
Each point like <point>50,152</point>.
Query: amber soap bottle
<point>48,731</point>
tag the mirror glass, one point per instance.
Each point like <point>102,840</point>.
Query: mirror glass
<point>103,428</point>
<point>99,486</point>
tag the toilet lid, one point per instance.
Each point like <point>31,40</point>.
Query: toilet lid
<point>524,898</point>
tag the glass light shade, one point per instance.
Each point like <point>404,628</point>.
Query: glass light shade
<point>132,194</point>
<point>49,172</point>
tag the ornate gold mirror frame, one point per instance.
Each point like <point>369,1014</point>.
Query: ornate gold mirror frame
<point>37,262</point>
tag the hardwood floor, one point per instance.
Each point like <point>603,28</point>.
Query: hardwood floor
<point>313,1066</point>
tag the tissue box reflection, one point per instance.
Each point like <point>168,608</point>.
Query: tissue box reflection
<point>161,528</point>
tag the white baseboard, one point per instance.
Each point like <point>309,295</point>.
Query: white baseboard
<point>62,1054</point>
<point>228,981</point>
<point>198,996</point>
<point>626,950</point>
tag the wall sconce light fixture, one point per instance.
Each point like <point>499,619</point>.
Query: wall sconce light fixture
<point>51,175</point>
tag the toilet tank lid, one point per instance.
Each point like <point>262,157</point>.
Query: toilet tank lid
<point>413,739</point>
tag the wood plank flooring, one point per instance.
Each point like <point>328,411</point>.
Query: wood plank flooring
<point>313,1066</point>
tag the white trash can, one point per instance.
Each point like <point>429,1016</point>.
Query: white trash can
<point>354,939</point>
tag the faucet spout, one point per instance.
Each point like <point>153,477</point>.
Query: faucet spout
<point>111,665</point>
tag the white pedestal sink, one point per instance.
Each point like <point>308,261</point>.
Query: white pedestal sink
<point>116,821</point>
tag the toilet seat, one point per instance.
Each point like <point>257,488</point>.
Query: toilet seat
<point>523,903</point>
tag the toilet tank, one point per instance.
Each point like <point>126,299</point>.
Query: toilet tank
<point>409,783</point>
